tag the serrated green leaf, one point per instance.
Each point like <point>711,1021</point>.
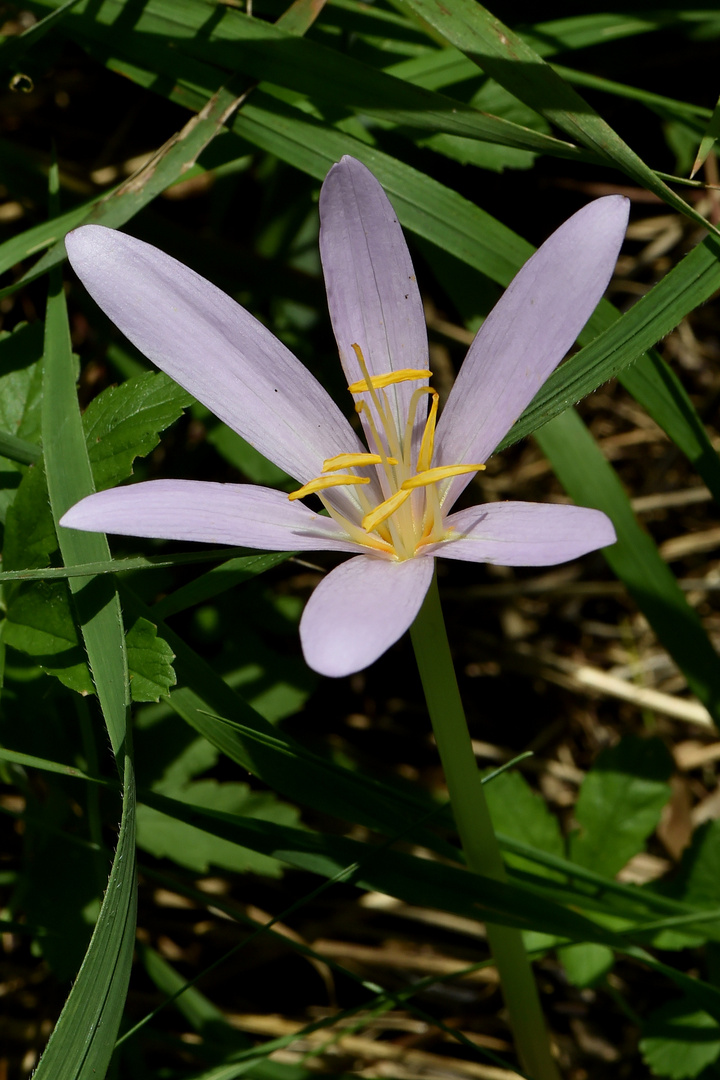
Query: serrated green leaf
<point>621,797</point>
<point>587,963</point>
<point>30,537</point>
<point>698,877</point>
<point>197,850</point>
<point>21,381</point>
<point>149,662</point>
<point>40,623</point>
<point>123,422</point>
<point>521,814</point>
<point>679,1040</point>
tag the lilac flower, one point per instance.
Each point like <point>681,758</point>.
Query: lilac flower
<point>389,503</point>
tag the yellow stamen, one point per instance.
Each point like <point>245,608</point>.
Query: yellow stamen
<point>384,510</point>
<point>379,382</point>
<point>323,482</point>
<point>379,543</point>
<point>354,461</point>
<point>441,472</point>
<point>428,440</point>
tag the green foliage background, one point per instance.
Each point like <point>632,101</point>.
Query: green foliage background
<point>442,101</point>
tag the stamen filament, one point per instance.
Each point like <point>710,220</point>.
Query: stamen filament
<point>385,461</point>
<point>379,382</point>
<point>356,533</point>
<point>322,482</point>
<point>382,407</point>
<point>441,472</point>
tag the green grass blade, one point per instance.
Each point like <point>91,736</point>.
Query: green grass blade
<point>508,59</point>
<point>20,450</point>
<point>83,1040</point>
<point>69,479</point>
<point>591,481</point>
<point>655,385</point>
<point>247,564</point>
<point>708,140</point>
<point>30,761</point>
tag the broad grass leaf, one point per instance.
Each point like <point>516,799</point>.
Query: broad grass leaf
<point>620,803</point>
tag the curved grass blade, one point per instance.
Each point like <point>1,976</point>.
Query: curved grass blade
<point>708,140</point>
<point>508,59</point>
<point>245,565</point>
<point>82,1043</point>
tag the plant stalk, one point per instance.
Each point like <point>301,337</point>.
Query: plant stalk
<point>472,818</point>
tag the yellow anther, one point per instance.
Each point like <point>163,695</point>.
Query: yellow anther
<point>354,461</point>
<point>379,382</point>
<point>428,440</point>
<point>441,472</point>
<point>323,482</point>
<point>384,510</point>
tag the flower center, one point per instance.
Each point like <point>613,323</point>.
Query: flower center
<point>410,514</point>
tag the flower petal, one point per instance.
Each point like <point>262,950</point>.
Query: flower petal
<point>528,332</point>
<point>372,292</point>
<point>237,514</point>
<point>359,610</point>
<point>214,348</point>
<point>525,534</point>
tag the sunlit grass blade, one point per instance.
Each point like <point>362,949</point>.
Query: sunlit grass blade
<point>591,481</point>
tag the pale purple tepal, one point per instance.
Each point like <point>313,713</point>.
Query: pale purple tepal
<point>389,503</point>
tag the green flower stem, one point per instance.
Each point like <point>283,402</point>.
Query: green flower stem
<point>474,825</point>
